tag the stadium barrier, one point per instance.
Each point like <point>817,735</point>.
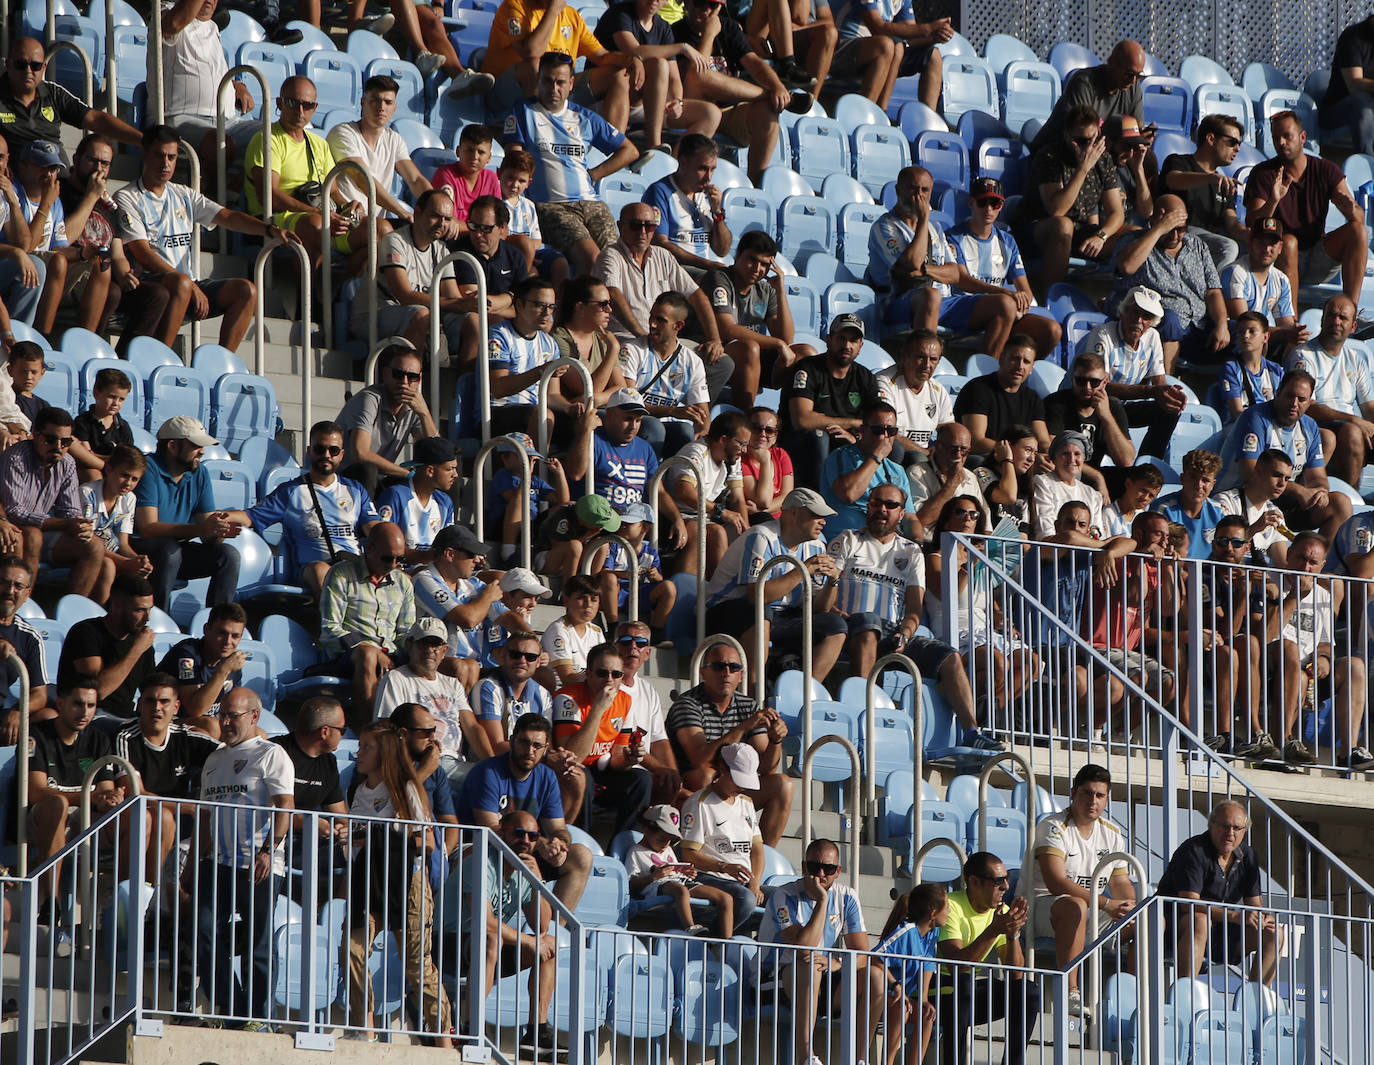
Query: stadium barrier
<point>326,265</point>
<point>479,490</point>
<point>87,74</point>
<point>761,641</point>
<point>651,491</point>
<point>483,332</point>
<point>224,98</point>
<point>550,372</point>
<point>307,332</point>
<point>605,539</point>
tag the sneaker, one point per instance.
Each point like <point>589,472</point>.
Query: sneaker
<point>286,38</point>
<point>257,1026</point>
<point>427,63</point>
<point>1075,1003</point>
<point>1296,752</point>
<point>793,74</point>
<point>469,83</point>
<point>698,930</point>
<point>62,942</point>
<point>378,24</point>
<point>1260,749</point>
<point>542,1039</point>
<point>1361,759</point>
<point>1221,743</point>
<point>982,740</point>
<point>799,102</point>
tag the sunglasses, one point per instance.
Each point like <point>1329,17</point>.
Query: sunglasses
<point>424,731</point>
<point>821,868</point>
<point>1229,141</point>
<point>965,514</point>
<point>478,227</point>
<point>638,641</point>
<point>528,656</point>
<point>57,441</point>
<point>883,430</point>
<point>637,223</point>
<point>1088,382</point>
<point>987,201</point>
<point>530,834</point>
<point>764,430</point>
<point>303,105</point>
<point>886,504</point>
<point>725,667</point>
<point>1231,541</point>
<point>539,305</point>
<point>1003,879</point>
<point>409,376</point>
<point>28,64</point>
<point>326,449</point>
<point>605,305</point>
<point>608,674</point>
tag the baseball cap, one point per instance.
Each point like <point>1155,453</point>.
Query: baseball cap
<point>431,451</point>
<point>1147,299</point>
<point>523,439</point>
<point>597,510</point>
<point>847,321</point>
<point>627,399</point>
<point>521,579</point>
<point>428,629</point>
<point>1122,128</point>
<point>44,153</point>
<point>637,512</point>
<point>1067,437</point>
<point>986,186</point>
<point>1269,228</point>
<point>743,762</point>
<point>460,538</point>
<point>807,499</point>
<point>184,427</point>
<point>665,817</point>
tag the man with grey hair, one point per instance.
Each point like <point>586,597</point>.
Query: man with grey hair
<point>1219,868</point>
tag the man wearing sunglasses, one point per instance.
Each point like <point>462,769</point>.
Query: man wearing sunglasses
<point>381,419</point>
<point>32,109</point>
<point>1113,88</point>
<point>510,691</point>
<point>634,638</point>
<point>39,494</point>
<point>1084,405</point>
<point>851,473</point>
<point>1210,195</point>
<point>503,265</point>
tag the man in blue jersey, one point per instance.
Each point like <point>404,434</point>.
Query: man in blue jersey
<point>323,516</point>
<point>1283,423</point>
<point>910,264</point>
<point>671,375</point>
<point>510,691</point>
<point>1258,285</point>
<point>421,505</point>
<point>558,133</point>
<point>691,221</point>
<point>1343,403</point>
<point>996,295</point>
<point>518,351</point>
<point>455,589</point>
<point>1191,506</point>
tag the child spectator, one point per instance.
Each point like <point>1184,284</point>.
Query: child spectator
<point>521,591</point>
<point>26,370</point>
<point>101,428</point>
<point>912,931</point>
<point>655,870</point>
<point>109,503</point>
<point>1006,479</point>
<point>1250,378</point>
<point>505,487</point>
<point>568,639</point>
<point>469,177</point>
<point>635,523</point>
<point>515,173</point>
<point>1192,506</point>
<point>1142,484</point>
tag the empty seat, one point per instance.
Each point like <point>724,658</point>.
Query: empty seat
<point>853,111</point>
<point>968,83</point>
<point>243,406</point>
<point>1168,103</point>
<point>915,116</point>
<point>805,224</point>
<point>841,190</point>
<point>820,147</point>
<point>231,484</point>
<point>1031,90</point>
<point>851,297</point>
<point>749,209</point>
<point>804,301</point>
<point>1198,70</point>
<point>781,182</point>
<point>177,390</point>
<point>274,63</point>
<point>855,220</point>
<point>130,48</point>
<point>976,126</point>
<point>878,152</point>
<point>1002,48</point>
<point>617,190</point>
<point>337,76</point>
<point>944,155</point>
<point>1225,100</point>
<point>1258,78</point>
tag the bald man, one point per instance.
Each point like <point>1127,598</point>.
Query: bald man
<point>367,607</point>
<point>32,109</point>
<point>1177,265</point>
<point>1343,401</point>
<point>1110,89</point>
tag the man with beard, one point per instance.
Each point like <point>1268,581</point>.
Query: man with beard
<point>988,404</point>
<point>207,666</point>
<point>18,637</point>
<point>115,649</point>
<point>823,399</point>
<point>1343,404</point>
<point>1209,194</point>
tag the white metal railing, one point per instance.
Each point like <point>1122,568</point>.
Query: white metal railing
<point>889,661</point>
<point>694,669</point>
<point>188,151</point>
<point>606,539</point>
<point>224,98</point>
<point>88,77</point>
<point>483,329</point>
<point>326,272</point>
<point>305,325</point>
<point>479,491</point>
<point>852,818</point>
<point>546,378</point>
<point>651,489</point>
<point>761,643</point>
<point>375,353</point>
<point>22,759</point>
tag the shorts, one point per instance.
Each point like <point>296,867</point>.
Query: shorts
<point>566,224</point>
<point>194,128</point>
<point>504,95</point>
<point>956,310</point>
<point>393,319</point>
<point>544,260</point>
<point>916,60</point>
<point>341,665</point>
<point>845,62</point>
<point>737,616</point>
<point>1136,664</point>
<point>1315,267</point>
<point>289,220</point>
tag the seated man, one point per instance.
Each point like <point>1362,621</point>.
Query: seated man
<point>1084,405</point>
<point>503,264</point>
<point>1109,89</point>
<point>671,377</point>
<point>422,504</point>
<point>18,636</point>
<point>176,522</point>
<point>712,716</point>
<point>1218,867</point>
<point>1067,848</point>
<point>372,143</point>
<point>205,667</point>
<point>1349,98</point>
<point>311,745</point>
<point>518,352</point>
<point>934,479</point>
<point>1343,404</point>
<point>691,221</point>
<point>921,402</point>
<point>883,40</point>
<point>903,247</point>
<point>115,649</point>
<point>1191,506</point>
<point>457,589</point>
<point>987,405</point>
<point>1259,285</point>
<point>381,419</point>
<point>1177,267</point>
<point>1208,195</point>
<point>35,109</point>
<point>21,275</point>
<point>510,691</point>
<point>719,493</point>
<point>1298,189</point>
<point>852,473</point>
<point>1254,501</point>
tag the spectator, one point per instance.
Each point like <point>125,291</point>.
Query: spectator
<point>766,468</point>
<point>748,92</point>
<point>511,504</point>
<point>503,266</point>
<point>301,159</point>
<point>720,491</point>
<point>515,173</point>
<point>634,640</point>
<point>903,245</point>
<point>753,317</point>
<point>613,562</point>
<point>1258,286</point>
<point>934,480</point>
<point>1191,506</point>
<point>912,48</point>
<point>1343,403</point>
<point>370,142</point>
<point>518,592</point>
<point>518,352</point>
<point>385,857</point>
<point>1283,188</point>
<point>417,728</point>
<point>39,493</point>
<point>825,396</point>
<point>208,666</point>
<point>1005,480</point>
<point>720,829</point>
<point>1220,868</point>
<point>311,744</point>
<point>712,718</point>
<point>19,637</point>
<point>1134,357</point>
<point>922,403</point>
<point>98,430</point>
<point>1140,486</point>
<point>1068,848</point>
<point>32,109</point>
<point>913,935</point>
<point>1178,267</point>
<point>988,404</point>
<point>1064,483</point>
<point>819,914</point>
<point>323,516</point>
<point>566,532</point>
<point>1251,377</point>
<point>583,332</point>
<point>1208,195</point>
<point>1254,501</point>
<point>852,473</point>
<point>670,376</point>
<point>468,178</point>
<point>1074,205</point>
<point>509,692</point>
<point>1348,102</point>
<point>655,872</point>
<point>1137,171</point>
<point>732,602</point>
<point>111,503</point>
<point>26,369</point>
<point>21,275</point>
<point>691,220</point>
<point>382,418</point>
<point>367,607</point>
<point>978,925</point>
<point>517,780</point>
<point>176,522</point>
<point>1283,423</point>
<point>424,30</point>
<point>1112,88</point>
<point>422,504</point>
<point>116,649</point>
<point>459,738</point>
<point>245,868</point>
<point>1084,405</point>
<point>570,639</point>
<point>558,131</point>
<point>39,171</point>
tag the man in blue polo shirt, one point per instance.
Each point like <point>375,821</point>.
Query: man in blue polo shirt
<point>175,506</point>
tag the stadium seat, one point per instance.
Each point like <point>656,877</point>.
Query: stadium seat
<point>410,98</point>
<point>968,84</point>
<point>1117,1031</point>
<point>853,111</point>
<point>1276,100</point>
<point>146,354</point>
<point>805,223</point>
<point>641,1002</point>
<point>872,356</point>
<point>35,16</point>
<point>781,182</point>
<point>977,126</point>
<point>215,361</point>
<point>60,385</point>
<point>73,608</point>
<point>1258,78</point>
<point>289,982</point>
<point>850,297</point>
<point>841,190</point>
<point>1031,90</point>
<point>243,406</point>
<point>1168,103</point>
<point>242,29</point>
<point>175,390</point>
<point>916,117</point>
<point>83,344</point>
<point>1077,325</point>
<point>820,146</point>
<point>338,78</point>
<point>130,48</point>
<point>1001,159</point>
<point>617,190</point>
<point>1168,143</point>
<point>367,47</point>
<point>1067,57</point>
<point>1045,378</point>
<point>855,220</point>
<point>273,62</point>
<point>66,68</point>
<point>804,301</point>
<point>416,133</point>
<point>1198,70</point>
<point>608,894</point>
<point>1155,67</point>
<point>749,209</point>
<point>24,331</point>
<point>1282,1040</point>
<point>1002,48</point>
<point>313,39</point>
<point>86,385</point>
<point>1225,100</point>
<point>877,153</point>
<point>944,155</point>
<point>709,1008</point>
<point>889,748</point>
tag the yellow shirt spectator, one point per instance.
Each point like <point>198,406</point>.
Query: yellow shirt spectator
<point>517,18</point>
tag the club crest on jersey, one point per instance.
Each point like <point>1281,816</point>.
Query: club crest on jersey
<point>720,297</point>
<point>1251,442</point>
<point>900,563</point>
<point>239,764</point>
<point>1362,539</point>
<point>567,33</point>
<point>930,410</point>
<point>503,804</point>
<point>799,379</point>
<point>385,512</point>
<point>513,26</point>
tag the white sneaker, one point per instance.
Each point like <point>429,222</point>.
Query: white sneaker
<point>469,83</point>
<point>378,24</point>
<point>428,62</point>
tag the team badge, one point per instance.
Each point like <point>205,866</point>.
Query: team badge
<point>239,763</point>
<point>186,669</point>
<point>1251,442</point>
<point>385,512</point>
<point>799,379</point>
<point>1362,539</point>
<point>930,410</point>
<point>901,564</point>
<point>720,297</point>
<point>513,27</point>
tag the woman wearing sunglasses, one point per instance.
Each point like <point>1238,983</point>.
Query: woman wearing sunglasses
<point>582,331</point>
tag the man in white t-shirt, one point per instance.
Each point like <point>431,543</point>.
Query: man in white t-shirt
<point>921,402</point>
<point>370,142</point>
<point>1343,402</point>
<point>1060,883</point>
<point>245,872</point>
<point>1255,500</point>
<point>633,638</point>
<point>721,495</point>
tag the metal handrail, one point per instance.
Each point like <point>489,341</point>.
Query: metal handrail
<point>651,498</point>
<point>1142,930</point>
<point>807,758</point>
<point>375,354</point>
<point>585,565</point>
<point>193,165</point>
<point>22,759</point>
<point>326,276</point>
<point>221,142</point>
<point>307,333</point>
<point>483,365</point>
<point>761,645</point>
<point>479,491</point>
<point>83,856</point>
<point>934,844</point>
<point>896,660</point>
<point>71,46</point>
<point>694,671</point>
<point>111,89</point>
<point>985,775</point>
<point>542,408</point>
<point>155,72</point>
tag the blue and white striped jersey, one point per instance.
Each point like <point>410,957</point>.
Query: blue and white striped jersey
<point>434,598</point>
<point>684,220</point>
<point>560,142</point>
<point>994,261</point>
<point>1273,299</point>
<point>346,507</point>
<point>510,351</point>
<point>744,560</point>
<point>420,522</point>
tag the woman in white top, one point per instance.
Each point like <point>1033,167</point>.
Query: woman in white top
<point>391,878</point>
<point>1050,491</point>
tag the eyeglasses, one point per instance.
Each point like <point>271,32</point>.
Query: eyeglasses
<point>424,731</point>
<point>604,305</point>
<point>639,223</point>
<point>340,729</point>
<point>1088,382</point>
<point>530,834</point>
<point>886,504</point>
<point>1229,141</point>
<point>28,64</point>
<point>987,201</point>
<point>638,641</point>
<point>608,674</point>
<point>725,667</point>
<point>326,449</point>
<point>965,514</point>
<point>883,430</point>
<point>764,430</point>
<point>409,376</point>
<point>539,305</point>
<point>528,656</point>
<point>1003,879</point>
<point>821,868</point>
<point>106,163</point>
<point>57,441</point>
<point>478,227</point>
<point>1225,827</point>
<point>1231,541</point>
<point>1082,142</point>
<point>303,105</point>
<point>234,717</point>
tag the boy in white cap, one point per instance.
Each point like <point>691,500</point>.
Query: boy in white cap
<point>520,591</point>
<point>720,830</point>
<point>656,871</point>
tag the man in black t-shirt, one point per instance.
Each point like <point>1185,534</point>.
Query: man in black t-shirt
<point>988,404</point>
<point>822,402</point>
<point>1210,195</point>
<point>488,226</point>
<point>1349,99</point>
<point>208,666</point>
<point>32,109</point>
<point>1084,406</point>
<point>319,727</point>
<point>116,649</point>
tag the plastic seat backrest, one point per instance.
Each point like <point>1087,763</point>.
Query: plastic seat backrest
<point>855,221</point>
<point>215,360</point>
<point>976,126</point>
<point>944,155</point>
<point>804,302</point>
<point>130,49</point>
<point>853,110</point>
<point>313,39</point>
<point>1032,90</point>
<point>1067,57</point>
<point>1002,48</point>
<point>1226,100</point>
<point>968,83</point>
<point>337,76</point>
<point>83,344</point>
<point>1168,102</point>
<point>781,182</point>
<point>1198,70</point>
<point>805,223</point>
<point>366,47</point>
<point>915,116</point>
<point>820,146</point>
<point>878,152</point>
<point>176,390</point>
<point>416,133</point>
<point>1258,78</point>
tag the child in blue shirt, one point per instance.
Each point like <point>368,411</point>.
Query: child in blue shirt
<point>505,487</point>
<point>635,522</point>
<point>912,931</point>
